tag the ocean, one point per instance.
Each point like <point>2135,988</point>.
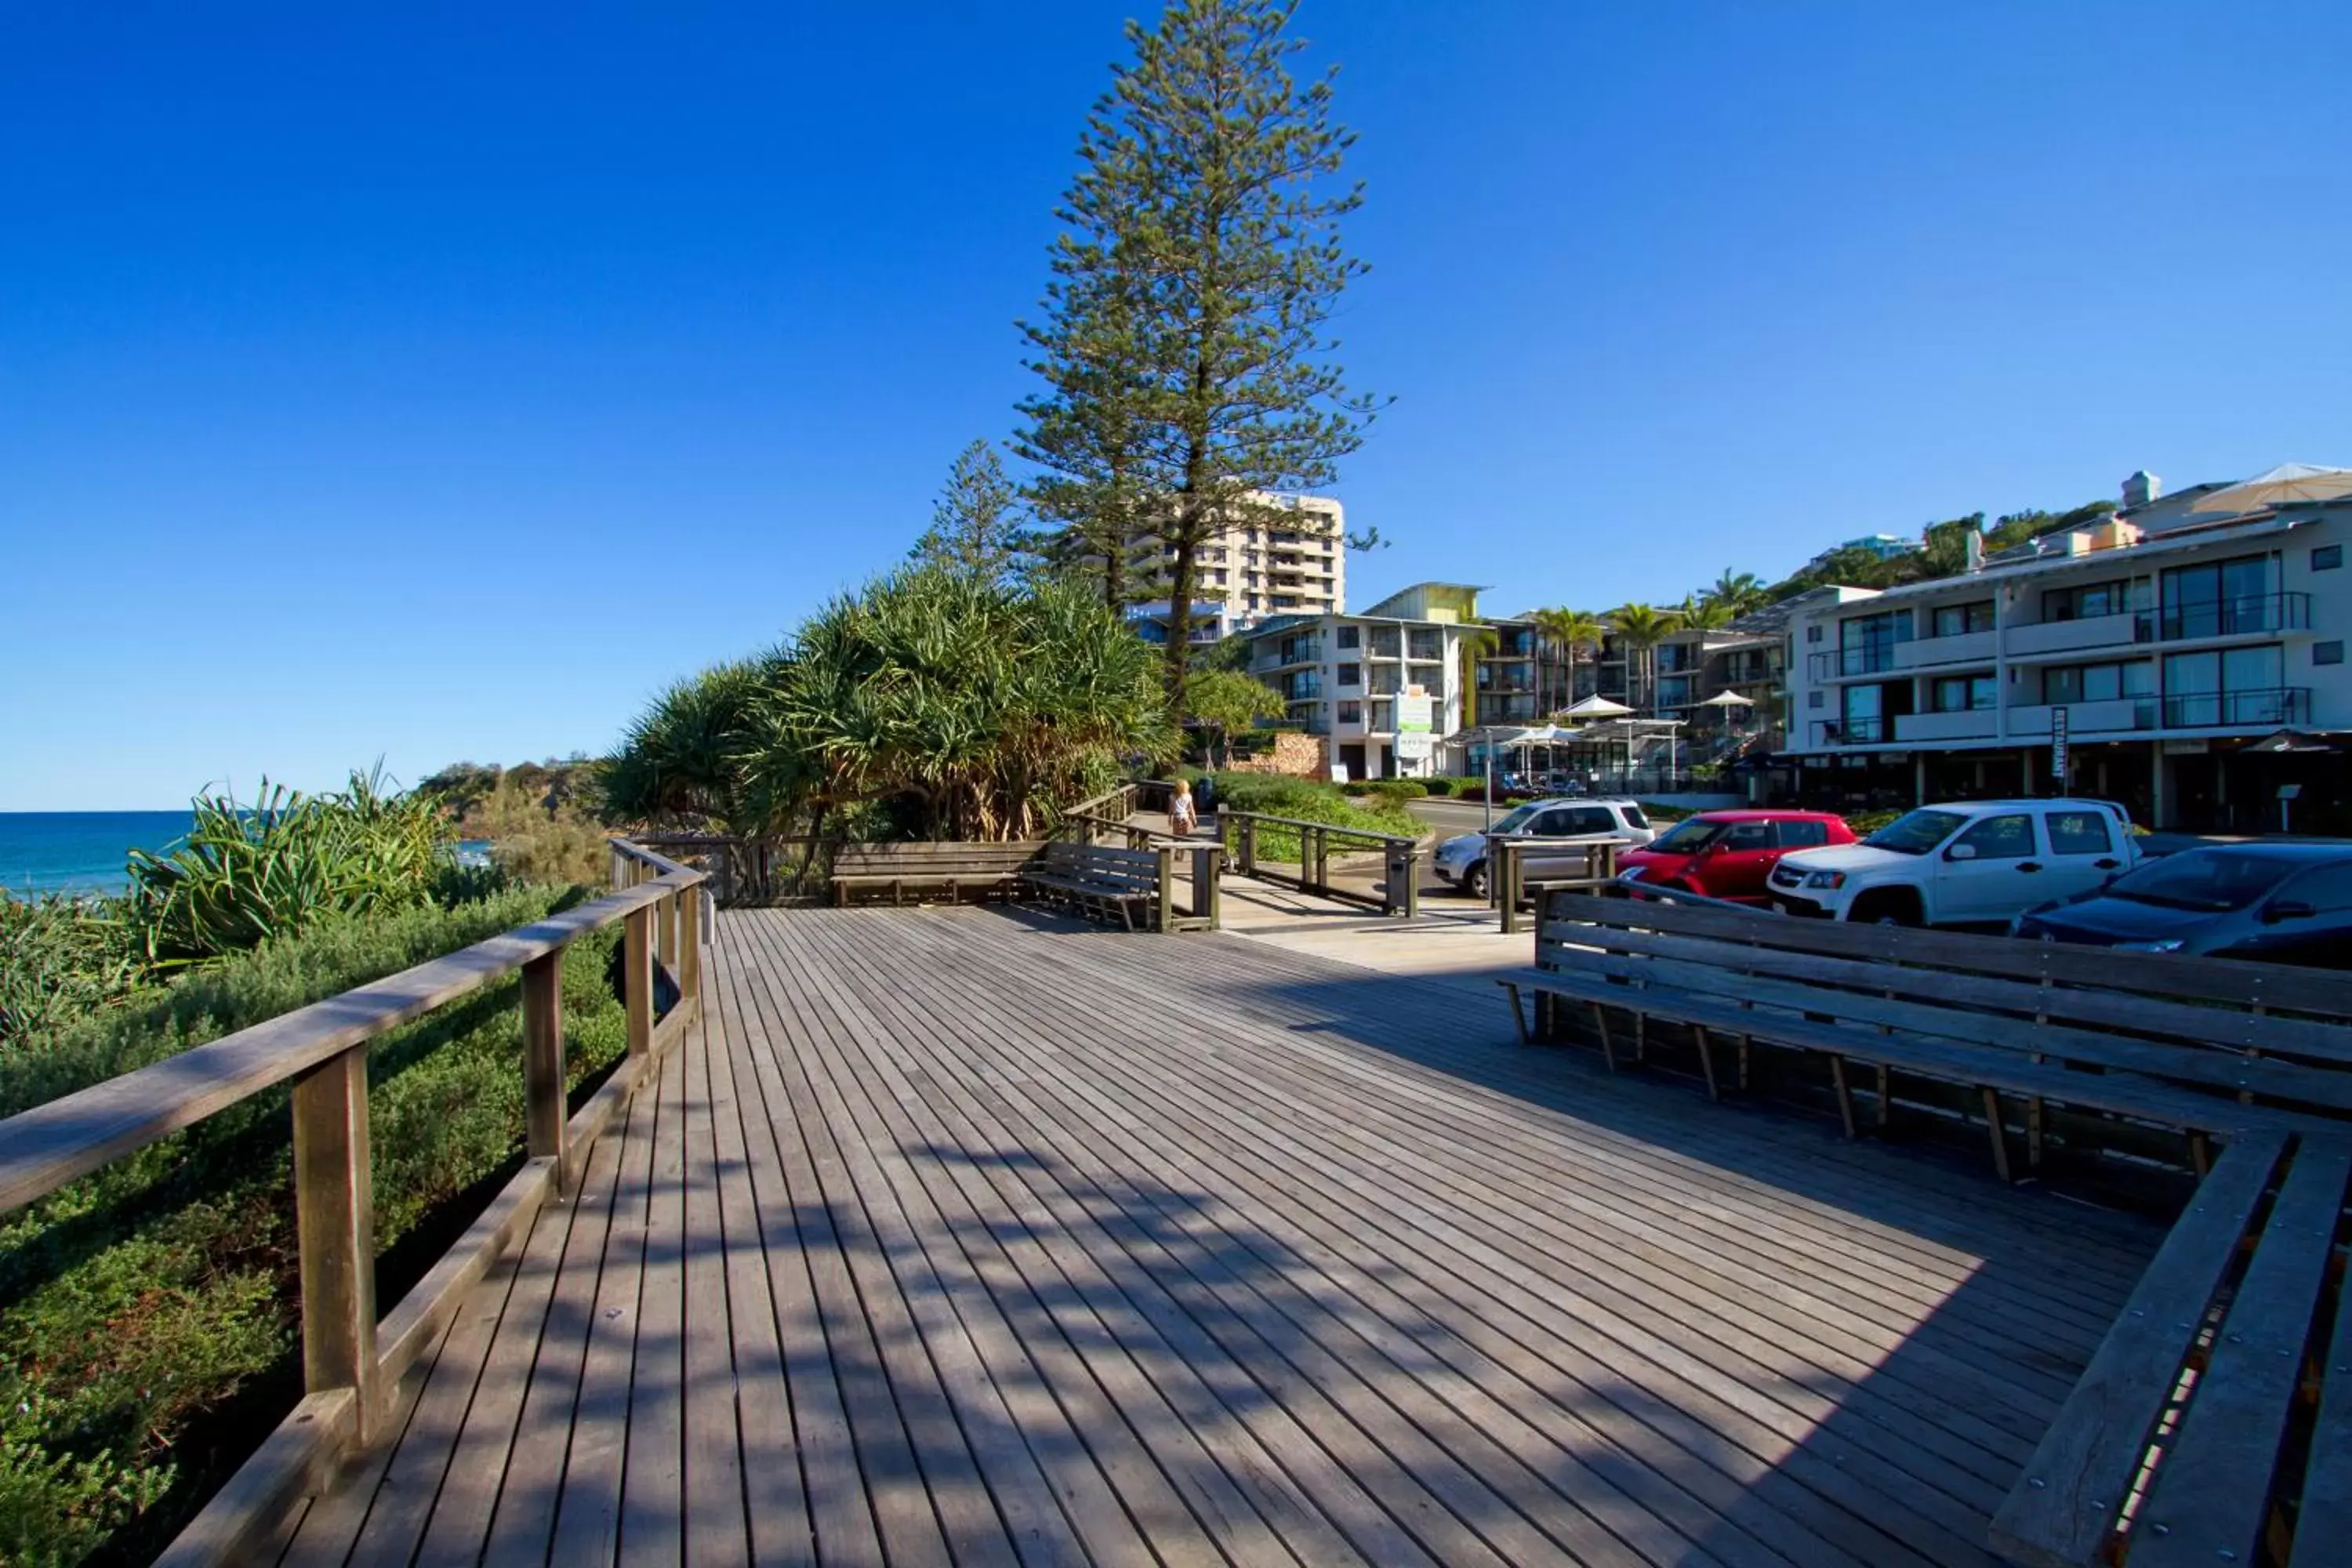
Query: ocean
<point>79,851</point>
<point>87,851</point>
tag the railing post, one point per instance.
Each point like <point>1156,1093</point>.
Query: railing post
<point>1512,871</point>
<point>1208,862</point>
<point>637,972</point>
<point>1247,863</point>
<point>334,1203</point>
<point>542,1064</point>
<point>620,866</point>
<point>690,942</point>
<point>1165,860</point>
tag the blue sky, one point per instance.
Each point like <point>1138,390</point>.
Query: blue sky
<point>439,381</point>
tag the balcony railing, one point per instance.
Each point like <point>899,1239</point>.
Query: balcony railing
<point>1850,732</point>
<point>1870,658</point>
<point>2269,706</point>
<point>2228,618</point>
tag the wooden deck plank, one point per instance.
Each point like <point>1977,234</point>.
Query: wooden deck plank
<point>956,1235</point>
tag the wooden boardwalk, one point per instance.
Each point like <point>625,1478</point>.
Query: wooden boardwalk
<point>958,1236</point>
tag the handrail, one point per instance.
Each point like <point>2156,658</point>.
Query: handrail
<point>1387,838</point>
<point>1401,875</point>
<point>352,1359</point>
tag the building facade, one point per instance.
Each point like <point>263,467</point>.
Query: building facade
<point>1287,557</point>
<point>2185,659</point>
<point>1384,687</point>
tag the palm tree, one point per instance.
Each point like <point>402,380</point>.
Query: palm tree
<point>1641,627</point>
<point>1571,629</point>
<point>1741,591</point>
<point>1703,615</point>
<point>1478,638</point>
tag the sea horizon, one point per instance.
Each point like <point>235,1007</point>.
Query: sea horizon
<point>81,851</point>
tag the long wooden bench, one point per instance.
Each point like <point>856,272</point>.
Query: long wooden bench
<point>2204,1046</point>
<point>952,869</point>
<point>2214,1424</point>
<point>1127,885</point>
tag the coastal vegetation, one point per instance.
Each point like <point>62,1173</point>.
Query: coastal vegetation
<point>1370,810</point>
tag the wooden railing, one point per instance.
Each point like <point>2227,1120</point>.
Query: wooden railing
<point>772,868</point>
<point>1401,859</point>
<point>352,1359</point>
<point>1508,886</point>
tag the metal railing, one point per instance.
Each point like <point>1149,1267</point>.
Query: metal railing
<point>1851,732</point>
<point>2271,705</point>
<point>353,1359</point>
<point>1870,658</point>
<point>1400,892</point>
<point>2226,617</point>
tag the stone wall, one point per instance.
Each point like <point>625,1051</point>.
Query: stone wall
<point>1300,757</point>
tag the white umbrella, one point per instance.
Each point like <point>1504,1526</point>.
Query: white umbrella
<point>2282,486</point>
<point>1728,700</point>
<point>1599,707</point>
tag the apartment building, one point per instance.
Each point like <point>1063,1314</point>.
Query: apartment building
<point>1385,686</point>
<point>2185,658</point>
<point>1287,557</point>
<point>1695,668</point>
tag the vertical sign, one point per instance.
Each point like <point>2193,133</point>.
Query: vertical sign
<point>1417,724</point>
<point>2058,746</point>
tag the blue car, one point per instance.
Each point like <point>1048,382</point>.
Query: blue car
<point>2280,903</point>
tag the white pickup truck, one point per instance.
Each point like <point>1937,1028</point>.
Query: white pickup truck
<point>1979,862</point>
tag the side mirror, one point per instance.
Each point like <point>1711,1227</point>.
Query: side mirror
<point>1961,852</point>
<point>2287,909</point>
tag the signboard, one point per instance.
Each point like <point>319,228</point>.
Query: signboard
<point>2058,744</point>
<point>1416,726</point>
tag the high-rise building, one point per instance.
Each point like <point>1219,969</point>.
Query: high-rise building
<point>1290,559</point>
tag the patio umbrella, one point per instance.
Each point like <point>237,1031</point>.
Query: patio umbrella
<point>1599,707</point>
<point>1728,700</point>
<point>2287,740</point>
<point>2282,486</point>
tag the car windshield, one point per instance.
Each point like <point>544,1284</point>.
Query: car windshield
<point>2212,880</point>
<point>1516,818</point>
<point>1688,837</point>
<point>1634,817</point>
<point>1916,832</point>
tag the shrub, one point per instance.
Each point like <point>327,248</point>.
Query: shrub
<point>1866,823</point>
<point>534,840</point>
<point>1310,800</point>
<point>59,958</point>
<point>148,1293</point>
<point>1438,787</point>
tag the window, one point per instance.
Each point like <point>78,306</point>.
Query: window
<point>2079,833</point>
<point>2235,686</point>
<point>1955,620</point>
<point>2006,837</point>
<point>1963,693</point>
<point>1352,637</point>
<point>2327,557</point>
<point>2217,599</point>
<point>2328,653</point>
<point>1351,675</point>
<point>1803,835</point>
<point>2327,890</point>
<point>1352,713</point>
<point>2095,682</point>
<point>2087,601</point>
<point>1813,633</point>
<point>1813,700</point>
<point>1749,836</point>
<point>1589,819</point>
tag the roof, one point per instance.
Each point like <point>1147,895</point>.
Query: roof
<point>2305,851</point>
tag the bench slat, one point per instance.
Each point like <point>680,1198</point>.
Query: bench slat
<point>2211,1496</point>
<point>2324,1525</point>
<point>2064,1505</point>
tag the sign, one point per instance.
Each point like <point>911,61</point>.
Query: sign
<point>2058,744</point>
<point>1416,726</point>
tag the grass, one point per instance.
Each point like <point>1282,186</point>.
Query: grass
<point>148,1312</point>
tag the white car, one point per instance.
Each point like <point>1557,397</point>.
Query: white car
<point>1980,862</point>
<point>1460,861</point>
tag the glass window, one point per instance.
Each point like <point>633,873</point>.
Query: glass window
<point>2212,880</point>
<point>2009,836</point>
<point>1803,835</point>
<point>1352,713</point>
<point>2079,833</point>
<point>1813,633</point>
<point>2087,601</point>
<point>1916,832</point>
<point>2251,668</point>
<point>1589,819</point>
<point>1351,675</point>
<point>1962,693</point>
<point>2327,557</point>
<point>1953,620</point>
<point>1352,637</point>
<point>1749,836</point>
<point>2328,889</point>
<point>2328,653</point>
<point>1813,700</point>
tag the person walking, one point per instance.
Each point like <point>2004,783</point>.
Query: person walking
<point>1183,816</point>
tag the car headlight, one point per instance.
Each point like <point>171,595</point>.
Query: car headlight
<point>2162,945</point>
<point>1825,878</point>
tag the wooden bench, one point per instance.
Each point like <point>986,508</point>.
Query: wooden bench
<point>953,867</point>
<point>1100,880</point>
<point>2152,1038</point>
<point>2214,1424</point>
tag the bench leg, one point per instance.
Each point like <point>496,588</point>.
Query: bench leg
<point>1886,1104</point>
<point>2033,1134</point>
<point>1844,1093</point>
<point>1744,1044</point>
<point>1607,1042</point>
<point>840,895</point>
<point>1518,1019</point>
<point>2000,1138</point>
<point>1707,1060</point>
<point>2200,1154</point>
<point>1641,1037</point>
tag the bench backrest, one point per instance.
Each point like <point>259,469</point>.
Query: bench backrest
<point>935,860</point>
<point>2003,1005</point>
<point>1134,871</point>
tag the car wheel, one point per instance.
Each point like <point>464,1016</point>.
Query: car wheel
<point>1886,909</point>
<point>1473,881</point>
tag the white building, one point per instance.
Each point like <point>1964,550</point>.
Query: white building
<point>1384,686</point>
<point>2185,658</point>
<point>1291,560</point>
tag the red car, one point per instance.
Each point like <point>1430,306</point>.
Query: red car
<point>1728,854</point>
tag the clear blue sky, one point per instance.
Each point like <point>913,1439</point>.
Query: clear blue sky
<point>439,382</point>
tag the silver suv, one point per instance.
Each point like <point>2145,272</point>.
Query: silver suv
<point>1460,861</point>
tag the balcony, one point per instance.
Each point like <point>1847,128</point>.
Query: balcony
<point>1850,732</point>
<point>1966,724</point>
<point>2042,638</point>
<point>2113,716</point>
<point>1870,658</point>
<point>2256,614</point>
<point>2263,708</point>
<point>1961,648</point>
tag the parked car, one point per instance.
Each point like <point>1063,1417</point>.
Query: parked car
<point>2282,903</point>
<point>1980,862</point>
<point>1460,861</point>
<point>1728,854</point>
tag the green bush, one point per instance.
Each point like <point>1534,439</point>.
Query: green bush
<point>59,958</point>
<point>1310,800</point>
<point>145,1295</point>
<point>1866,823</point>
<point>1389,791</point>
<point>1438,787</point>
